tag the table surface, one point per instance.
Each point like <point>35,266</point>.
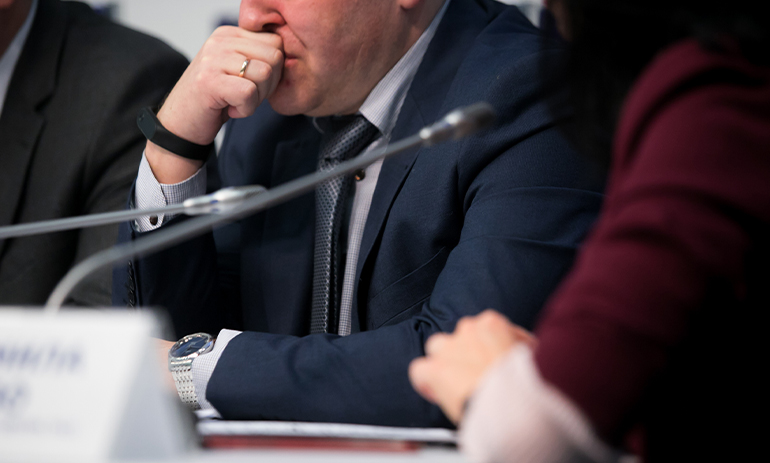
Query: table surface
<point>426,455</point>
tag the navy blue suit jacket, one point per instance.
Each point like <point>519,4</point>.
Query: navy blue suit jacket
<point>490,221</point>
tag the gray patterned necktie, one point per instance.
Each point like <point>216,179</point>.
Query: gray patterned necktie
<point>343,138</point>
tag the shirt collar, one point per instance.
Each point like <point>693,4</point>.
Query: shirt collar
<point>11,56</point>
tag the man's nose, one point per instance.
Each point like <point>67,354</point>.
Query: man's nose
<point>260,15</point>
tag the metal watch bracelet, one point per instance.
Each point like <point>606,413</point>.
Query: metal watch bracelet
<point>181,371</point>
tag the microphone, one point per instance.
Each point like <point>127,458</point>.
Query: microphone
<point>458,123</point>
<point>217,202</point>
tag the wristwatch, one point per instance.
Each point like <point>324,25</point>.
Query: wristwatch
<point>180,358</point>
<point>154,131</point>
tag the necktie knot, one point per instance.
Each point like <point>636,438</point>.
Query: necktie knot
<point>343,138</point>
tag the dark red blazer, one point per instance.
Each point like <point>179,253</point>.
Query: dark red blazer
<point>657,330</point>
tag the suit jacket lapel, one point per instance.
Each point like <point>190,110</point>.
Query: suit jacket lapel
<point>22,122</point>
<point>423,105</point>
<point>290,226</point>
<point>293,159</point>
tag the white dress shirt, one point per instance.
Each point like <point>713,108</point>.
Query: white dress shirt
<point>381,108</point>
<point>11,56</point>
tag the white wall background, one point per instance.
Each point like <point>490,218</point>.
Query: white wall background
<point>186,24</point>
<point>183,24</point>
<point>531,8</point>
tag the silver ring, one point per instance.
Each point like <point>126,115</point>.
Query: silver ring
<point>243,68</point>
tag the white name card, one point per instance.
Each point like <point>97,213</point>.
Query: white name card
<point>85,386</point>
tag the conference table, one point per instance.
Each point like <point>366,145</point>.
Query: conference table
<point>426,455</point>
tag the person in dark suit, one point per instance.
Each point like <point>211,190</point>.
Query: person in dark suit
<point>493,220</point>
<point>69,144</point>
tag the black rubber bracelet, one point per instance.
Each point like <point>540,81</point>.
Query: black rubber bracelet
<point>155,132</point>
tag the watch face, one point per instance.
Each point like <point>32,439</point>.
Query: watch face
<point>190,345</point>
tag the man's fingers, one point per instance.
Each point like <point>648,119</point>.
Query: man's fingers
<point>244,40</point>
<point>234,46</point>
<point>253,44</point>
<point>230,54</point>
<point>265,75</point>
<point>233,60</point>
<point>257,81</point>
<point>265,53</point>
<point>243,96</point>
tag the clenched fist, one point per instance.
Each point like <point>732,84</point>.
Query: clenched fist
<point>211,91</point>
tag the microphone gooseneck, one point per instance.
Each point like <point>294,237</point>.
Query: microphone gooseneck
<point>216,202</point>
<point>459,123</point>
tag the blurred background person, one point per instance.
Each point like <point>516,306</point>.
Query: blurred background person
<point>653,344</point>
<point>71,86</point>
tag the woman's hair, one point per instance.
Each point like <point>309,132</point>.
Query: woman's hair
<point>612,41</point>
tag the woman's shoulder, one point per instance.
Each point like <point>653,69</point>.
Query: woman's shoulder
<point>688,85</point>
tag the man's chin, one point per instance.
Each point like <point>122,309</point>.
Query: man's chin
<point>284,110</point>
<point>289,104</point>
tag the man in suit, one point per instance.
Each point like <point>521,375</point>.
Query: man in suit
<point>71,83</point>
<point>432,234</point>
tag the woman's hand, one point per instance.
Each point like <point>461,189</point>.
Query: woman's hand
<point>455,363</point>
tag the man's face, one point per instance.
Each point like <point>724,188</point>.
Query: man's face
<point>335,50</point>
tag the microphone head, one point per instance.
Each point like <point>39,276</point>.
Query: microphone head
<point>460,123</point>
<point>470,119</point>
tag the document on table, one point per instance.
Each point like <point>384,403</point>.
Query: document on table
<point>325,430</point>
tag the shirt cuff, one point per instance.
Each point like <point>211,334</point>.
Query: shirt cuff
<point>203,366</point>
<point>150,194</point>
<point>515,416</point>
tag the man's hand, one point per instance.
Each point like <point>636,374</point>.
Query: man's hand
<point>455,363</point>
<point>162,348</point>
<point>210,92</point>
